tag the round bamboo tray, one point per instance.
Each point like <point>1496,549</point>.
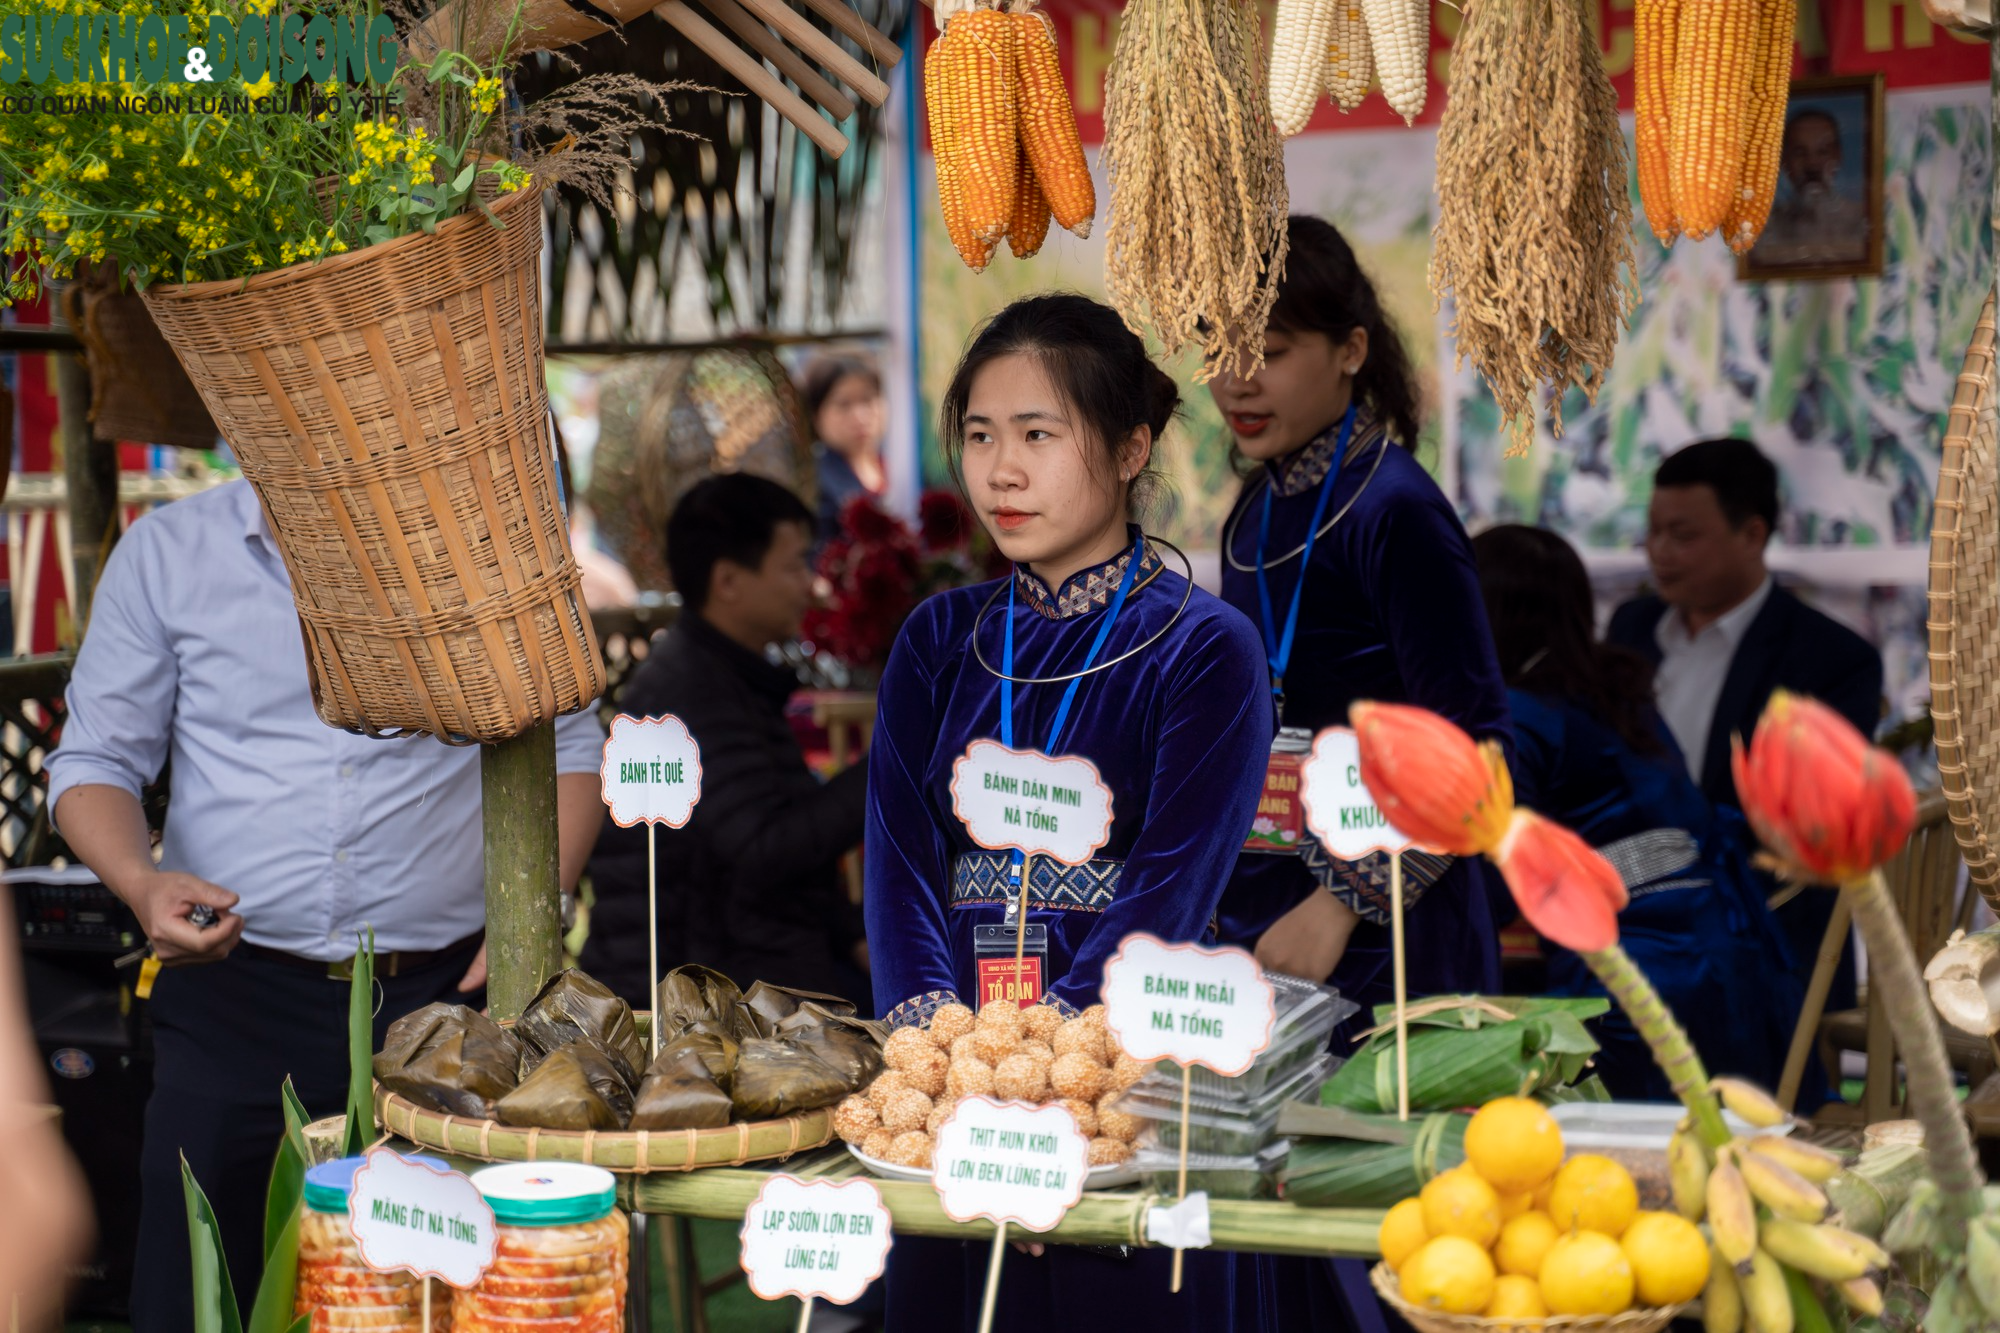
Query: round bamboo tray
<point>1430,1321</point>
<point>1964,620</point>
<point>637,1151</point>
<point>389,406</point>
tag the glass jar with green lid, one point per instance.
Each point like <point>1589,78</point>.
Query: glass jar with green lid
<point>560,1264</point>
<point>339,1291</point>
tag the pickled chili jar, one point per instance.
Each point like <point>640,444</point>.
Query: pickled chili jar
<point>559,1262</point>
<point>336,1288</point>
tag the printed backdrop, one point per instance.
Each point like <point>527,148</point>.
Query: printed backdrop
<point>1845,383</point>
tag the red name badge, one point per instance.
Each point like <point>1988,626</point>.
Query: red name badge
<point>1281,815</point>
<point>1003,979</point>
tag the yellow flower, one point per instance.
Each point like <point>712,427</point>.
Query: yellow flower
<point>264,86</point>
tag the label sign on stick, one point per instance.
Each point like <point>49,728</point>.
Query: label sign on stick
<point>651,772</point>
<point>415,1218</point>
<point>1025,800</point>
<point>1181,1002</point>
<point>1339,809</point>
<point>1009,1162</point>
<point>815,1239</point>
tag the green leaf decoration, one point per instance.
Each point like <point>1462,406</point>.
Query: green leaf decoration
<point>361,1051</point>
<point>296,1120</point>
<point>214,1299</point>
<point>281,1199</point>
<point>277,1292</point>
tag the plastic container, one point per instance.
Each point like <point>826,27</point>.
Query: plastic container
<point>1228,1130</point>
<point>1164,1085</point>
<point>560,1264</point>
<point>336,1288</point>
<point>1307,1014</point>
<point>1222,1175</point>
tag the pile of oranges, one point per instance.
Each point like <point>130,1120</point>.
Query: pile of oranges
<point>1520,1232</point>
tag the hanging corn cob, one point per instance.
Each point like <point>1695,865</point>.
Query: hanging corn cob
<point>1049,135</point>
<point>1030,226</point>
<point>1299,38</point>
<point>946,127</point>
<point>1770,84</point>
<point>1713,58</point>
<point>1399,35</point>
<point>1350,63</point>
<point>1653,53</point>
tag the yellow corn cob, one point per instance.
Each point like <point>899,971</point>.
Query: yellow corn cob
<point>1298,66</point>
<point>1652,71</point>
<point>1049,135</point>
<point>1714,52</point>
<point>1399,34</point>
<point>976,85</point>
<point>1030,226</point>
<point>944,148</point>
<point>1764,133</point>
<point>1350,64</point>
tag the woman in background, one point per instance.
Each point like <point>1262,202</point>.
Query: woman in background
<point>843,396</point>
<point>1591,752</point>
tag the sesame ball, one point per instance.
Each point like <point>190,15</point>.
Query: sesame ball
<point>1113,1123</point>
<point>926,1069</point>
<point>1002,1014</point>
<point>886,1085</point>
<point>1084,1113</point>
<point>905,1045</point>
<point>912,1149</point>
<point>1021,1078</point>
<point>1077,1075</point>
<point>1041,1051</point>
<point>949,1023</point>
<point>994,1044</point>
<point>854,1120</point>
<point>940,1112</point>
<point>968,1078</point>
<point>1095,1014</point>
<point>1125,1071</point>
<point>906,1111</point>
<point>877,1144</point>
<point>962,1048</point>
<point>1109,1152</point>
<point>1040,1021</point>
<point>1077,1037</point>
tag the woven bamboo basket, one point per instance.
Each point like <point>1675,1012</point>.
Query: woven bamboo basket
<point>138,390</point>
<point>1650,1320</point>
<point>1964,620</point>
<point>389,407</point>
<point>633,1150</point>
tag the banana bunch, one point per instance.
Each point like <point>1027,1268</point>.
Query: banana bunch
<point>1766,1212</point>
<point>1965,1297</point>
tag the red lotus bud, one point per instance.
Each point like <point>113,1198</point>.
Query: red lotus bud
<point>1431,780</point>
<point>1830,806</point>
<point>1568,893</point>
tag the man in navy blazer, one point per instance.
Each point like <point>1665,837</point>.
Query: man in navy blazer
<point>1723,636</point>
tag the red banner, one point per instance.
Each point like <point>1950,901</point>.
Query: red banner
<point>1834,37</point>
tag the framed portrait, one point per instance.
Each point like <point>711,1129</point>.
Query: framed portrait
<point>1826,221</point>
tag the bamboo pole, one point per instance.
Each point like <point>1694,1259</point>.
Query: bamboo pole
<point>523,889</point>
<point>1831,945</point>
<point>761,40</point>
<point>821,48</point>
<point>754,76</point>
<point>876,43</point>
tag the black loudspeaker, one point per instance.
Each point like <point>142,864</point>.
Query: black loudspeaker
<point>96,1044</point>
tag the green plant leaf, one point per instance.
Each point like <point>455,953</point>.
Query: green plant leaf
<point>277,1290</point>
<point>296,1120</point>
<point>214,1299</point>
<point>281,1199</point>
<point>361,1050</point>
<point>463,180</point>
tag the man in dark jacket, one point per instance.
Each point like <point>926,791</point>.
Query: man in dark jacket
<point>752,885</point>
<point>1724,637</point>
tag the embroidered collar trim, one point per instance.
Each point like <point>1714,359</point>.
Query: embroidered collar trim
<point>1087,590</point>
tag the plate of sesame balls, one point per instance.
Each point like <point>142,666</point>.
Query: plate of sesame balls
<point>1032,1055</point>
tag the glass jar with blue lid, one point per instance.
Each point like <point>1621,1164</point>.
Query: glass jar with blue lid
<point>560,1262</point>
<point>336,1288</point>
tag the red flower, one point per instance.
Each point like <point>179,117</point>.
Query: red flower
<point>866,521</point>
<point>1567,892</point>
<point>1431,780</point>
<point>943,521</point>
<point>1830,806</point>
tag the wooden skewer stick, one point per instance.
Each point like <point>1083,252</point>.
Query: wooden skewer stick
<point>860,29</point>
<point>823,49</point>
<point>761,40</point>
<point>754,76</point>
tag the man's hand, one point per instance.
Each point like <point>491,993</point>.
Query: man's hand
<point>1308,941</point>
<point>475,976</point>
<point>162,899</point>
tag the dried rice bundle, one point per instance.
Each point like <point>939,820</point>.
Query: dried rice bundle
<point>1533,241</point>
<point>1196,242</point>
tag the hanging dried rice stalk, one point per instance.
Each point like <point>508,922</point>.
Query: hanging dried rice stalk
<point>1196,241</point>
<point>1534,233</point>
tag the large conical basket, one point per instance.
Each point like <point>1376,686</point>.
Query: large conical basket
<point>389,407</point>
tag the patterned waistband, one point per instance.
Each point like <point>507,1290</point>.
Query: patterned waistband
<point>979,879</point>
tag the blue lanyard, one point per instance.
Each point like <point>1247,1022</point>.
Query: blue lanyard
<point>1278,647</point>
<point>1069,694</point>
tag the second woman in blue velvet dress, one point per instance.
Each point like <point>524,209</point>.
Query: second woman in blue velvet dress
<point>1096,646</point>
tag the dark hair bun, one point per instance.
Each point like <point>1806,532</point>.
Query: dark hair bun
<point>1166,400</point>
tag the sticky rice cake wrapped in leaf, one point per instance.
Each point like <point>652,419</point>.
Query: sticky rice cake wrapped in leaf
<point>698,999</point>
<point>852,1047</point>
<point>765,1007</point>
<point>573,1005</point>
<point>449,1058</point>
<point>776,1078</point>
<point>578,1086</point>
<point>687,1085</point>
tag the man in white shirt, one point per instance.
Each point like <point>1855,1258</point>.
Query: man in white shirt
<point>297,835</point>
<point>1724,637</point>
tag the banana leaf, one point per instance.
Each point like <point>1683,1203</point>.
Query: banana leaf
<point>698,999</point>
<point>576,1087</point>
<point>776,1078</point>
<point>451,1059</point>
<point>1392,1163</point>
<point>572,1006</point>
<point>687,1086</point>
<point>1466,1050</point>
<point>361,1050</point>
<point>766,1007</point>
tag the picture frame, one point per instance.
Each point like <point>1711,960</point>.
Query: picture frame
<point>1826,221</point>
